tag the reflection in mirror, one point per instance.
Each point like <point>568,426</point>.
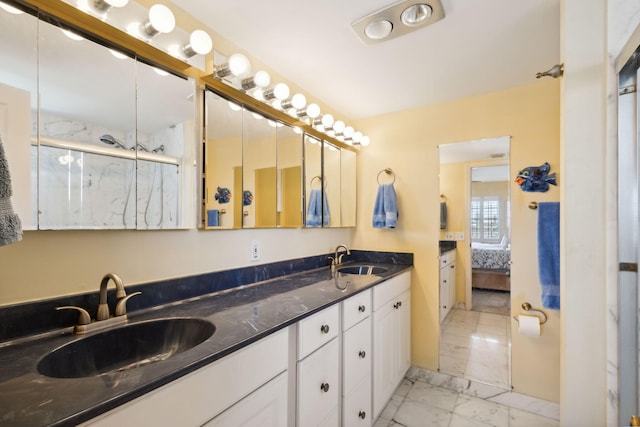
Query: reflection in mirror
<point>348,188</point>
<point>289,192</point>
<point>313,183</point>
<point>332,183</point>
<point>259,184</point>
<point>86,132</point>
<point>223,163</point>
<point>164,140</point>
<point>475,304</point>
<point>18,110</point>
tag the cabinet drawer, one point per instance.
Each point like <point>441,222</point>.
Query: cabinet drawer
<point>355,309</point>
<point>265,407</point>
<point>207,391</point>
<point>388,290</point>
<point>356,409</point>
<point>316,330</point>
<point>356,353</point>
<point>318,385</point>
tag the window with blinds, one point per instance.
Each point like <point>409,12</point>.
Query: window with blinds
<point>485,219</point>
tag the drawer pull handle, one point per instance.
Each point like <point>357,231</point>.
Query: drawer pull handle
<point>361,308</point>
<point>362,354</point>
<point>362,415</point>
<point>324,329</point>
<point>324,387</point>
<point>399,303</point>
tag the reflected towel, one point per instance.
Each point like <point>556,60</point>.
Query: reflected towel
<point>213,218</point>
<point>385,208</point>
<point>443,215</point>
<point>10,226</point>
<point>318,205</point>
<point>549,253</point>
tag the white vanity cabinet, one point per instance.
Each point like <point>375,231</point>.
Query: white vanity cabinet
<point>356,360</point>
<point>391,337</point>
<point>318,369</point>
<point>199,396</point>
<point>447,283</point>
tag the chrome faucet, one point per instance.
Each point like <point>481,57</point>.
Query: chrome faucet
<point>337,256</point>
<point>103,307</point>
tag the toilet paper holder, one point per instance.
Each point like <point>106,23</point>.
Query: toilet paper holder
<point>528,308</point>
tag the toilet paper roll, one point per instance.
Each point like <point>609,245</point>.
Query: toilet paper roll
<point>529,326</point>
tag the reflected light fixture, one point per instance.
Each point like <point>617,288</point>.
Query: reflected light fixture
<point>118,54</point>
<point>279,91</point>
<point>234,106</point>
<point>260,79</point>
<point>200,43</point>
<point>72,35</point>
<point>297,101</point>
<point>10,9</point>
<point>237,65</point>
<point>160,20</point>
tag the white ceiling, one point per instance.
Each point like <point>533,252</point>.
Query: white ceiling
<point>479,47</point>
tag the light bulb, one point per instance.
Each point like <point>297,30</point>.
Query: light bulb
<point>338,127</point>
<point>260,79</point>
<point>297,101</point>
<point>348,132</point>
<point>199,43</point>
<point>277,104</point>
<point>239,64</point>
<point>160,20</point>
<point>357,137</point>
<point>327,121</point>
<point>279,91</point>
<point>313,111</point>
<point>10,9</point>
<point>365,141</point>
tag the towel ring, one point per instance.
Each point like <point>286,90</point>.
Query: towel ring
<point>388,171</point>
<point>319,179</point>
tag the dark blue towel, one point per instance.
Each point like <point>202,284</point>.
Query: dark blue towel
<point>549,253</point>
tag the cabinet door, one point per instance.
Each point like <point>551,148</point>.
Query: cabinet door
<point>452,284</point>
<point>403,333</point>
<point>356,411</point>
<point>444,293</point>
<point>384,371</point>
<point>318,385</point>
<point>265,407</point>
<point>356,355</point>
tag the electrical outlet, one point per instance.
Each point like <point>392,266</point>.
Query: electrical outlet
<point>255,250</point>
<point>459,235</point>
<point>448,235</point>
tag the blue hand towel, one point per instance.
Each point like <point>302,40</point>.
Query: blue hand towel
<point>10,225</point>
<point>213,217</point>
<point>385,208</point>
<point>318,209</point>
<point>549,253</point>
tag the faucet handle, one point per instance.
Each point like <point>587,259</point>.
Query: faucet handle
<point>121,306</point>
<point>83,315</point>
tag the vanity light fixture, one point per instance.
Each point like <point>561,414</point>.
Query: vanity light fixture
<point>338,128</point>
<point>312,111</point>
<point>260,79</point>
<point>237,65</point>
<point>365,141</point>
<point>297,101</point>
<point>328,121</point>
<point>398,19</point>
<point>160,20</point>
<point>200,43</point>
<point>357,138</point>
<point>348,132</point>
<point>105,5</point>
<point>279,91</point>
<point>10,9</point>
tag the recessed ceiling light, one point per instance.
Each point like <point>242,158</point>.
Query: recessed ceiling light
<point>379,29</point>
<point>416,14</point>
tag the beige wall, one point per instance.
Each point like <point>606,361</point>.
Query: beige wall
<point>407,143</point>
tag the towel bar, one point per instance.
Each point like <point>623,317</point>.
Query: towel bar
<point>388,171</point>
<point>527,307</point>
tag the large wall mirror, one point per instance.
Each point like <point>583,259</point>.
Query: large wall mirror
<point>108,149</point>
<point>475,300</point>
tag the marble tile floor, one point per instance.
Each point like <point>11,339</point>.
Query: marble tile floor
<point>427,398</point>
<point>476,346</point>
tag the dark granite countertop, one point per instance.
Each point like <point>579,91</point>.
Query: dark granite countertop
<point>241,316</point>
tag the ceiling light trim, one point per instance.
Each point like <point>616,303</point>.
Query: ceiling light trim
<point>394,15</point>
